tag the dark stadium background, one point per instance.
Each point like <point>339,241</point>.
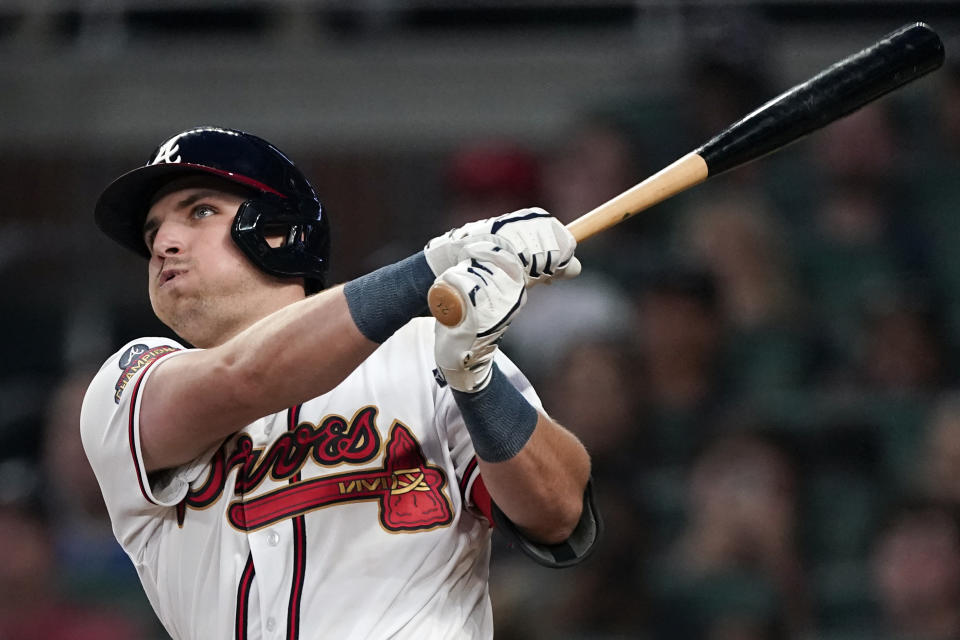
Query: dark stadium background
<point>763,368</point>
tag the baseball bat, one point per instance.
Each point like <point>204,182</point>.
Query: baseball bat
<point>896,59</point>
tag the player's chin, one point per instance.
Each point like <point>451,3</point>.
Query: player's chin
<point>161,298</point>
<point>169,303</point>
<point>183,317</point>
<point>163,310</point>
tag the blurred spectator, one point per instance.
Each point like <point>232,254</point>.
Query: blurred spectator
<point>904,351</point>
<point>768,345</point>
<point>32,604</point>
<point>863,239</point>
<point>729,71</point>
<point>735,234</point>
<point>899,361</point>
<point>936,180</point>
<point>938,468</point>
<point>594,389</point>
<point>862,146</point>
<point>595,162</point>
<point>946,101</point>
<point>486,179</point>
<point>680,333</point>
<point>736,570</point>
<point>727,67</point>
<point>916,564</point>
<point>845,484</point>
<point>851,258</point>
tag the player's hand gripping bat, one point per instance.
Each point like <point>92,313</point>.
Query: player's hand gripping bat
<point>896,59</point>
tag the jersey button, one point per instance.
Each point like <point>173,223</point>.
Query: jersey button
<point>271,624</point>
<point>273,539</point>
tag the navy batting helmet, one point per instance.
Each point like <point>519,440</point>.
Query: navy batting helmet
<point>283,200</point>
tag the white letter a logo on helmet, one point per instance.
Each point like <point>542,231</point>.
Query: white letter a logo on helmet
<point>166,151</point>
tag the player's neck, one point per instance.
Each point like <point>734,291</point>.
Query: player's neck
<point>214,332</point>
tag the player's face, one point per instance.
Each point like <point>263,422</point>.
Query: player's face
<point>200,283</point>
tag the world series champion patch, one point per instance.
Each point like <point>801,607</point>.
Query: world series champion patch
<point>133,360</point>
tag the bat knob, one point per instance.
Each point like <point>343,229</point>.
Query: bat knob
<point>445,304</point>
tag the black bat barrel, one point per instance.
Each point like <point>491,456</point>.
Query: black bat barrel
<point>896,59</point>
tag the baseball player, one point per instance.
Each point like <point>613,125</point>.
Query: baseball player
<point>313,461</point>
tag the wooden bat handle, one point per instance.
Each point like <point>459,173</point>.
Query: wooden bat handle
<point>689,170</point>
<point>445,302</point>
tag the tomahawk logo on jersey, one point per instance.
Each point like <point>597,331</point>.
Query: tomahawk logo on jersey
<point>410,493</point>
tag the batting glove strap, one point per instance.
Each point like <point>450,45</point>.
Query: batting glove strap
<point>386,299</point>
<point>498,418</point>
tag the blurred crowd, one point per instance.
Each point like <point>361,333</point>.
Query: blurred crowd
<point>763,369</point>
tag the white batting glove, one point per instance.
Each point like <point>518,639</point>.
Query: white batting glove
<point>490,281</point>
<point>541,242</point>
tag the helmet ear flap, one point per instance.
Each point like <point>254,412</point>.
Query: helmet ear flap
<point>299,255</point>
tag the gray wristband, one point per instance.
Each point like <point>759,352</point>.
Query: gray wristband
<point>498,417</point>
<point>386,299</point>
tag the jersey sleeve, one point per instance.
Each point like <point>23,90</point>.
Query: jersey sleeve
<point>110,430</point>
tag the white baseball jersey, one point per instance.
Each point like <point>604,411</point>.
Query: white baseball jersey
<point>353,515</point>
